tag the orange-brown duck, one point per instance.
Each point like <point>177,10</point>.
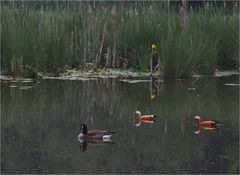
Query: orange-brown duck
<point>144,117</point>
<point>205,124</point>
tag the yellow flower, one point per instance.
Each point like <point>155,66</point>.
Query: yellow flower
<point>154,46</point>
<point>152,96</point>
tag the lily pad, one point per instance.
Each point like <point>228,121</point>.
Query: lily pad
<point>226,73</point>
<point>135,81</point>
<point>81,78</point>
<point>27,81</point>
<point>191,89</point>
<point>6,78</point>
<point>106,73</point>
<point>15,81</point>
<point>25,87</point>
<point>13,86</point>
<point>71,78</point>
<point>231,84</point>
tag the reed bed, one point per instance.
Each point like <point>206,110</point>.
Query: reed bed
<point>118,35</point>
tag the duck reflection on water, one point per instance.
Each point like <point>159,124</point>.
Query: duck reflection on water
<point>84,142</point>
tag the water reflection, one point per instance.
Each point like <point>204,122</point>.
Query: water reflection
<point>198,128</point>
<point>144,121</point>
<point>84,142</point>
<point>35,124</point>
<point>154,87</point>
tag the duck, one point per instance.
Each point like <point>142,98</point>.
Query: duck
<point>93,134</point>
<point>144,117</point>
<point>205,124</point>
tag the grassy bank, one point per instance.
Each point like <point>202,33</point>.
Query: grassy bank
<point>117,35</point>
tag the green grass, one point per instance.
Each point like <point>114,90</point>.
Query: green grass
<point>50,38</point>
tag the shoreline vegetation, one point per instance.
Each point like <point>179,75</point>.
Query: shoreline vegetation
<point>151,38</point>
<point>121,75</point>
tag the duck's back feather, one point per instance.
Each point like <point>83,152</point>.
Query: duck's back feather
<point>147,117</point>
<point>207,123</point>
<point>96,132</point>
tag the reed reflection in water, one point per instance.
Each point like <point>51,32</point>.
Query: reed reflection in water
<point>40,126</point>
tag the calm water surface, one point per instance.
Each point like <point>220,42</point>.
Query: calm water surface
<point>39,127</point>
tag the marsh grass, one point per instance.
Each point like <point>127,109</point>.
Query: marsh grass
<point>50,38</point>
<point>17,66</point>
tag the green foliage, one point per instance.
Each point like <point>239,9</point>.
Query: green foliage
<point>144,57</point>
<point>30,72</point>
<point>17,66</point>
<point>50,38</point>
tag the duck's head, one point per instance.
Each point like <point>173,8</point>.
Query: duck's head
<point>197,117</point>
<point>138,114</point>
<point>83,128</point>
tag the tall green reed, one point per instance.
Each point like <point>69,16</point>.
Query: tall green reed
<point>104,34</point>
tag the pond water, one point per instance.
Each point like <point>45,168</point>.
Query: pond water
<point>40,126</point>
